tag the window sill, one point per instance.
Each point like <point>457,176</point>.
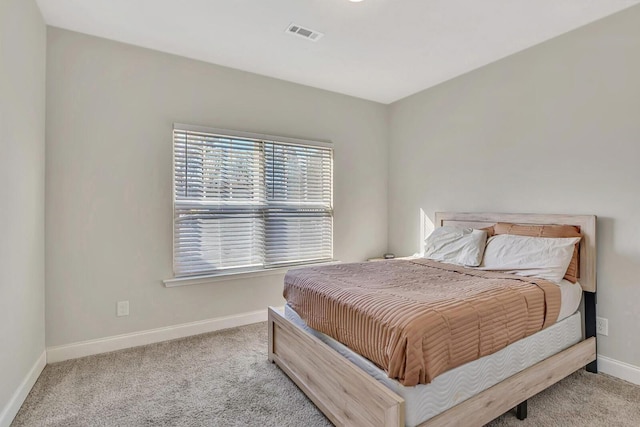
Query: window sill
<point>224,277</point>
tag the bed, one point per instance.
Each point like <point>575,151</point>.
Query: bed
<point>351,392</point>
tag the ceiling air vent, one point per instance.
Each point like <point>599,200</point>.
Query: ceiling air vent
<point>306,33</point>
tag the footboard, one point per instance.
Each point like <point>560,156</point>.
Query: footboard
<point>342,391</point>
<point>350,397</point>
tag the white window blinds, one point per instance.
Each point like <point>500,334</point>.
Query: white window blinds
<point>242,202</point>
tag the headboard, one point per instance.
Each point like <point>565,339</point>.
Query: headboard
<point>586,223</point>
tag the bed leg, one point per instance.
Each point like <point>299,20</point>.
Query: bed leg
<point>521,411</point>
<point>590,325</point>
<point>270,325</point>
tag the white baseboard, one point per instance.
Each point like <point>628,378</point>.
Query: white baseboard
<point>13,406</point>
<point>622,370</point>
<point>119,342</point>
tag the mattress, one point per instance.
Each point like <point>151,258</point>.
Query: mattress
<point>418,318</point>
<point>425,401</point>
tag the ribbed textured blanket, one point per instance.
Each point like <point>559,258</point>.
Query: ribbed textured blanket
<point>419,318</point>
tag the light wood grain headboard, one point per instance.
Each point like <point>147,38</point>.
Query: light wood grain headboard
<point>587,224</point>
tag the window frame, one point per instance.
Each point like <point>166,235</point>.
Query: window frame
<point>213,275</point>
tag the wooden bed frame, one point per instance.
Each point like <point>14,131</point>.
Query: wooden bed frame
<point>350,397</point>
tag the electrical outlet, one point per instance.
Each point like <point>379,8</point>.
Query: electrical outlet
<point>602,326</point>
<point>122,308</point>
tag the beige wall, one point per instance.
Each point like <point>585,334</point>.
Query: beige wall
<point>22,119</point>
<point>110,109</point>
<point>553,129</point>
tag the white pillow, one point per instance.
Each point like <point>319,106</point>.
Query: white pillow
<point>462,246</point>
<point>543,257</point>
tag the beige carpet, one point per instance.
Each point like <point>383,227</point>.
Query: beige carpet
<point>224,379</point>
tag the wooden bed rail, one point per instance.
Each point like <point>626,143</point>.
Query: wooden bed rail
<point>341,390</point>
<point>350,397</point>
<point>495,401</point>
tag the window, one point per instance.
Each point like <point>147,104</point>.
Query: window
<point>245,202</point>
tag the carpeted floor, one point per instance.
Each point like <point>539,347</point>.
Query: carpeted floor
<point>224,379</point>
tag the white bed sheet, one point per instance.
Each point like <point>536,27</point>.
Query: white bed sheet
<point>570,297</point>
<point>425,401</point>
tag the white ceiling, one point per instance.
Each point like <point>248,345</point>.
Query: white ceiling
<point>381,50</point>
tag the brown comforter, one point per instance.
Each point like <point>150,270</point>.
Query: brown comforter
<point>419,318</point>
